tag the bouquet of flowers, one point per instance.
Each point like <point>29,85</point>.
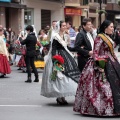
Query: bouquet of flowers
<point>57,65</point>
<point>45,42</point>
<point>101,63</point>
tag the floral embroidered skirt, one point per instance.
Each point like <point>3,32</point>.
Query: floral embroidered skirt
<point>95,96</point>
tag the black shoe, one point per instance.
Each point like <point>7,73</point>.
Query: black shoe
<point>36,80</point>
<point>19,69</point>
<point>11,64</point>
<point>59,101</point>
<point>64,101</point>
<point>28,81</point>
<point>2,76</point>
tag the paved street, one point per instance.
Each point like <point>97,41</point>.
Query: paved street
<point>22,101</point>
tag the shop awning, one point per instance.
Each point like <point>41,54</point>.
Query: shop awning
<point>12,5</point>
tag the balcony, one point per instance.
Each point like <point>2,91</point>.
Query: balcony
<point>113,7</point>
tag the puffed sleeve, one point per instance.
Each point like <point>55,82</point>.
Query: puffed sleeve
<point>97,47</point>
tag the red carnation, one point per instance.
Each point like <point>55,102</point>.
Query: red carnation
<point>59,58</point>
<point>7,45</point>
<point>101,59</point>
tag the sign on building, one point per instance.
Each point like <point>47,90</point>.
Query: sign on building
<point>5,0</point>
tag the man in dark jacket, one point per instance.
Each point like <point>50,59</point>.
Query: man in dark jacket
<point>30,43</point>
<point>84,43</point>
<point>116,37</point>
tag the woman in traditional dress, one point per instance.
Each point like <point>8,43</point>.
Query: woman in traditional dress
<point>98,91</point>
<point>10,40</point>
<point>4,64</point>
<point>65,83</point>
<point>21,63</point>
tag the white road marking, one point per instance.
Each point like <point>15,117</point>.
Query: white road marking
<point>20,106</point>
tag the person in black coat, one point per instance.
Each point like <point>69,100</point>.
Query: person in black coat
<point>30,43</point>
<point>117,37</point>
<point>84,43</point>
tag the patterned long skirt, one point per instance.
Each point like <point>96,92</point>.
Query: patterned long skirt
<point>94,94</point>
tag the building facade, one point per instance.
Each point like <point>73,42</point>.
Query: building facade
<point>41,13</point>
<point>17,14</point>
<point>87,8</point>
<point>113,11</point>
<point>10,14</point>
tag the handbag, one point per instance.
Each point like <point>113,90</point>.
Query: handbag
<point>20,50</point>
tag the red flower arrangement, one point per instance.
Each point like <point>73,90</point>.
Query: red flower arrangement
<point>57,65</point>
<point>59,58</point>
<point>7,45</point>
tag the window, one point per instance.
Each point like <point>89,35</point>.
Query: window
<point>103,1</point>
<point>29,17</point>
<point>72,1</point>
<point>85,2</point>
<point>112,1</point>
<point>96,1</point>
<point>45,18</point>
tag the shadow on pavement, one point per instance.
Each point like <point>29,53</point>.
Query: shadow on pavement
<point>58,105</point>
<point>95,116</point>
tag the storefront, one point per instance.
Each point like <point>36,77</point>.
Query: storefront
<point>10,14</point>
<point>17,14</point>
<point>73,15</point>
<point>41,13</point>
<point>73,12</point>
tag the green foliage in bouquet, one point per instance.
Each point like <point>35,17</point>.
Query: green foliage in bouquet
<point>101,63</point>
<point>44,43</point>
<point>54,75</point>
<point>57,66</point>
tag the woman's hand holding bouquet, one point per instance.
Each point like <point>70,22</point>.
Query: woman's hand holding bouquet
<point>101,62</point>
<point>58,62</point>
